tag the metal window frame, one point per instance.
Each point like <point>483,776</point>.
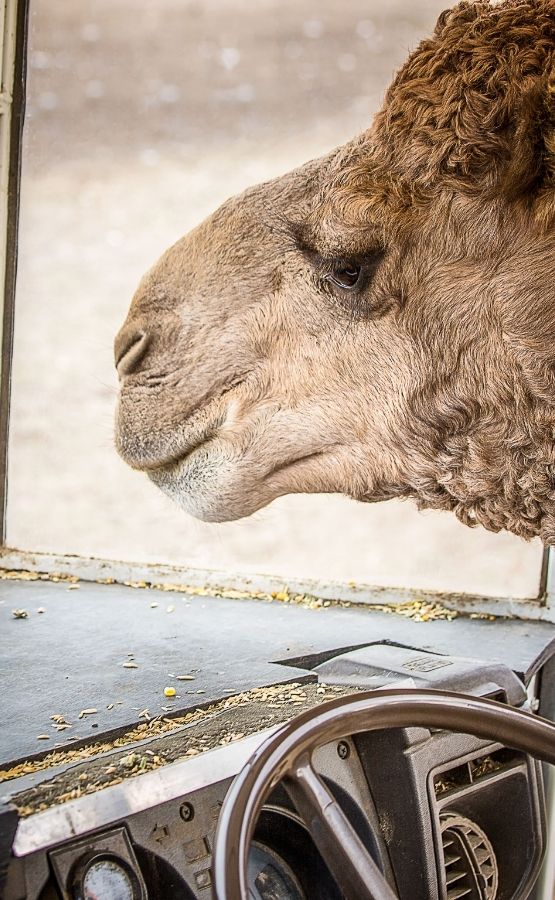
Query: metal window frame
<point>13,67</point>
<point>14,15</point>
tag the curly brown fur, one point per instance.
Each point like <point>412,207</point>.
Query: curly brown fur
<point>471,112</point>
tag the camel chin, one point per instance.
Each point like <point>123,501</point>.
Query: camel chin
<point>208,488</point>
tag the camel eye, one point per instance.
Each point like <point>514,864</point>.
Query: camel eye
<point>345,276</point>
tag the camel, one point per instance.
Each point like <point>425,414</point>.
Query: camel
<point>381,321</point>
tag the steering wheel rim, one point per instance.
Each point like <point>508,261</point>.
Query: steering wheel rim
<point>286,756</point>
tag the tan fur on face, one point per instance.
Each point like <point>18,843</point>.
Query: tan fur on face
<point>437,380</point>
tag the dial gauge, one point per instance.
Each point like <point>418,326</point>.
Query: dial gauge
<point>106,878</point>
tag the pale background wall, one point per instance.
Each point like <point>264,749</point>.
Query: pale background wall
<point>142,117</point>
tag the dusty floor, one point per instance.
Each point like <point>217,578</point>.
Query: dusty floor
<point>142,118</point>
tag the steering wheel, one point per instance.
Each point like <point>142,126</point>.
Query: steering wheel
<point>286,756</point>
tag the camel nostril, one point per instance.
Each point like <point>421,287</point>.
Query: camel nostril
<point>129,349</point>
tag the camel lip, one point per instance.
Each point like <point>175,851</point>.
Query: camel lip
<point>201,425</point>
<point>148,460</point>
<point>166,463</point>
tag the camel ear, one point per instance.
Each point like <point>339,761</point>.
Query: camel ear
<point>545,148</point>
<point>531,165</point>
<point>472,108</point>
<point>507,108</point>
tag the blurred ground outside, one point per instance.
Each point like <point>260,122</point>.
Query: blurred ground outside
<point>141,119</point>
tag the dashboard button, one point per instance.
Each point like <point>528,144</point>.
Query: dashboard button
<point>195,849</point>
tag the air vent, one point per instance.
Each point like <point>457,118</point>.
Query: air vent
<point>474,770</point>
<point>469,861</point>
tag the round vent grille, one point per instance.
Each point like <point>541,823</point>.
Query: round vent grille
<point>469,860</point>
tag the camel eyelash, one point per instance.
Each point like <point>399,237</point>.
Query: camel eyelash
<point>349,274</point>
<point>346,275</point>
<point>346,282</point>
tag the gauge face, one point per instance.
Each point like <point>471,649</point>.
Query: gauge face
<point>270,878</point>
<point>106,879</point>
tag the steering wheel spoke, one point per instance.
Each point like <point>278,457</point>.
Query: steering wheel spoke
<point>348,860</point>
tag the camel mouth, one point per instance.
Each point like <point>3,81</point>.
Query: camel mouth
<point>146,447</point>
<point>166,464</point>
<point>146,451</point>
<point>146,457</point>
<point>179,461</point>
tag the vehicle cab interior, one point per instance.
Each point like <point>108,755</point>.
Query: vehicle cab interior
<point>325,701</point>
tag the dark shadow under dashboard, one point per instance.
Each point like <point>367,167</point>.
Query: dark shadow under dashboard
<point>129,806</point>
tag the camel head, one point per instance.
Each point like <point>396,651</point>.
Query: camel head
<point>381,321</point>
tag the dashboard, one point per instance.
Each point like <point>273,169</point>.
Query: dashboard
<point>443,815</point>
